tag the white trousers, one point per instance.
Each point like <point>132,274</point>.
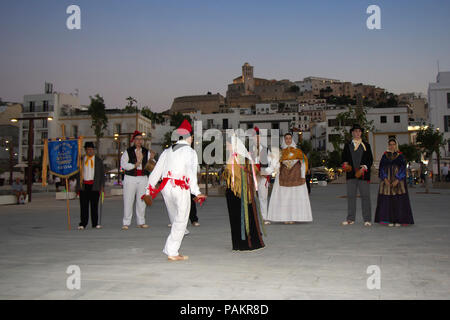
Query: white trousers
<point>263,191</point>
<point>133,190</point>
<point>178,203</point>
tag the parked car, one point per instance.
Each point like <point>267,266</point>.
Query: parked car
<point>321,176</point>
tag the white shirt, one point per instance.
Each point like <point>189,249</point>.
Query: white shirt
<point>182,162</point>
<point>127,165</point>
<point>88,170</point>
<point>445,170</point>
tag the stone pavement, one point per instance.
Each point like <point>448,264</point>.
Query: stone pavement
<point>318,260</point>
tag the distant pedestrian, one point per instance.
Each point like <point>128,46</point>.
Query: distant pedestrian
<point>444,169</point>
<point>20,194</point>
<point>57,183</point>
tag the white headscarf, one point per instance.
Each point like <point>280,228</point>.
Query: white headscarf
<point>284,145</point>
<point>238,148</point>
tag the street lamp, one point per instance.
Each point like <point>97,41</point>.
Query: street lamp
<point>30,148</point>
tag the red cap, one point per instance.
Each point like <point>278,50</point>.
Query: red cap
<point>185,128</point>
<point>136,133</point>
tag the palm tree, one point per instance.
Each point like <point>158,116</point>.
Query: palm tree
<point>130,107</point>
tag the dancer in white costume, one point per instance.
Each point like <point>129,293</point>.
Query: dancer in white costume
<point>262,157</point>
<point>177,167</point>
<point>289,201</point>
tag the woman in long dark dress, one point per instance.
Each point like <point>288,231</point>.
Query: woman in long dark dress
<point>246,234</point>
<point>393,205</point>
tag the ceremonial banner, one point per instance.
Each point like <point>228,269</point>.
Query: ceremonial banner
<point>63,157</point>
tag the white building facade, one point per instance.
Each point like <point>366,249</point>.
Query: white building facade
<point>47,104</point>
<point>439,108</point>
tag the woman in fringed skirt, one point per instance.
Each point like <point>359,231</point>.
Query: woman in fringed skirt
<point>243,209</point>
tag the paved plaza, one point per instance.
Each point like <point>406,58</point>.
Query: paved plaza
<point>318,260</point>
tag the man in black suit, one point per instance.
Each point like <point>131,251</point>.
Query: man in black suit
<point>357,160</point>
<point>90,186</point>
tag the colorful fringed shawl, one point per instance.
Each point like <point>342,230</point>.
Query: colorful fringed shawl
<point>240,180</point>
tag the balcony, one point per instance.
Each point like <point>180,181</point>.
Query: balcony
<point>35,109</point>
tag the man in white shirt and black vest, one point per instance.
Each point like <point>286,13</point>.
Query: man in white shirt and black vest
<point>89,186</point>
<point>133,161</point>
<point>357,160</point>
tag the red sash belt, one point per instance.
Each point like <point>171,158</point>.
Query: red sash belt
<point>88,181</point>
<point>182,183</point>
<point>139,173</point>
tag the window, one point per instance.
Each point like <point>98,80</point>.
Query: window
<point>333,122</point>
<point>45,105</point>
<point>31,105</point>
<point>117,128</point>
<point>446,123</point>
<point>225,123</point>
<point>249,125</point>
<point>275,125</point>
<point>44,123</point>
<point>383,119</point>
<point>209,123</point>
<point>448,99</point>
<point>397,119</point>
<point>75,131</point>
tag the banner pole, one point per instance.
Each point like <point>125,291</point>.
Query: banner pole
<point>67,199</point>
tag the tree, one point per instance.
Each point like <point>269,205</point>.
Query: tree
<point>97,111</point>
<point>410,152</point>
<point>177,118</point>
<point>315,159</point>
<point>154,116</point>
<point>354,115</point>
<point>334,159</point>
<point>131,107</point>
<point>167,141</point>
<point>293,88</point>
<point>305,146</point>
<point>340,100</point>
<point>430,141</point>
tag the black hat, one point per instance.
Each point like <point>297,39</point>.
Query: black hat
<point>356,126</point>
<point>89,144</point>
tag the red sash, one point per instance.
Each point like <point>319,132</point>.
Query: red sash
<point>182,183</point>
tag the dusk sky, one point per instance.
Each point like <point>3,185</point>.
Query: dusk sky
<point>158,50</point>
